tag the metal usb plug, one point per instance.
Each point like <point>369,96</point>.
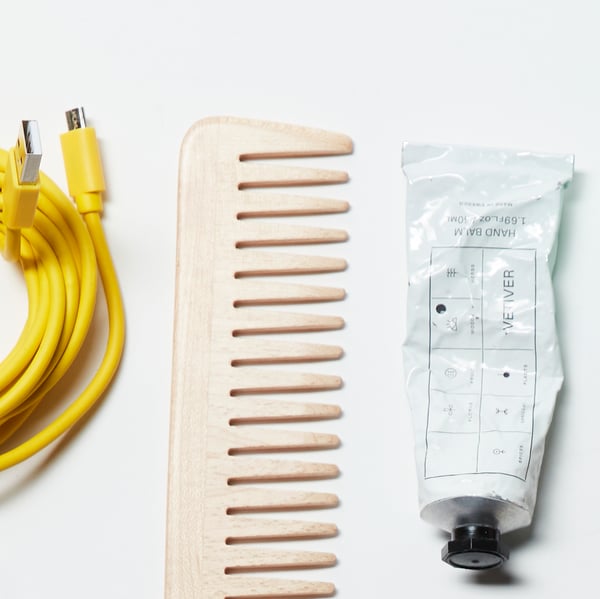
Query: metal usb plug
<point>28,153</point>
<point>76,118</point>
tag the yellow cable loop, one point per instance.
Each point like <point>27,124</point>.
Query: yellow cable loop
<point>61,257</point>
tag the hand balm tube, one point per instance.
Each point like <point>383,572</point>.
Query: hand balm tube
<point>481,356</point>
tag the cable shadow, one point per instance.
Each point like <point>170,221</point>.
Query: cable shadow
<point>65,391</point>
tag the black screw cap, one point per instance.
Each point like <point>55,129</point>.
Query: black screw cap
<point>475,547</point>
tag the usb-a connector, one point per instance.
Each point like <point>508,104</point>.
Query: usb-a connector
<point>21,187</point>
<point>28,153</point>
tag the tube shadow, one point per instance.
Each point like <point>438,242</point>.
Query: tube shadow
<point>557,434</point>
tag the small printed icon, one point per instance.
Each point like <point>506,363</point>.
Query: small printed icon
<point>502,411</point>
<point>450,410</point>
<point>452,324</point>
<point>451,373</point>
<point>498,451</point>
<point>451,273</point>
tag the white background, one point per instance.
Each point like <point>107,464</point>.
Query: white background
<point>87,519</point>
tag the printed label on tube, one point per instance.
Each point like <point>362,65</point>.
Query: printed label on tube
<point>482,359</point>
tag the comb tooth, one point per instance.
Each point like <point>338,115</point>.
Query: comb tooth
<point>278,175</point>
<point>252,381</point>
<point>262,411</point>
<point>263,560</point>
<point>266,351</point>
<point>250,439</point>
<point>249,263</point>
<point>255,204</point>
<point>255,322</point>
<point>242,587</point>
<point>255,500</point>
<point>255,293</point>
<point>261,234</point>
<point>249,530</point>
<point>246,470</point>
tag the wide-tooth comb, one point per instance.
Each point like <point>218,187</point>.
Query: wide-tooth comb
<point>229,368</point>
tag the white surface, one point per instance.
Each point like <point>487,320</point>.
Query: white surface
<point>90,523</point>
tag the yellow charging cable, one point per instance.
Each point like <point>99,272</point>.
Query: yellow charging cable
<point>61,250</point>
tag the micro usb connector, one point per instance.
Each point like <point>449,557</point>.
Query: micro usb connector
<point>76,118</point>
<point>83,165</point>
<point>28,153</point>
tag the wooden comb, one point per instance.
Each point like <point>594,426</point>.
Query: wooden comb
<point>227,373</point>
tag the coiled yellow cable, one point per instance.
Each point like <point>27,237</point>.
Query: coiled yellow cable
<point>61,256</point>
